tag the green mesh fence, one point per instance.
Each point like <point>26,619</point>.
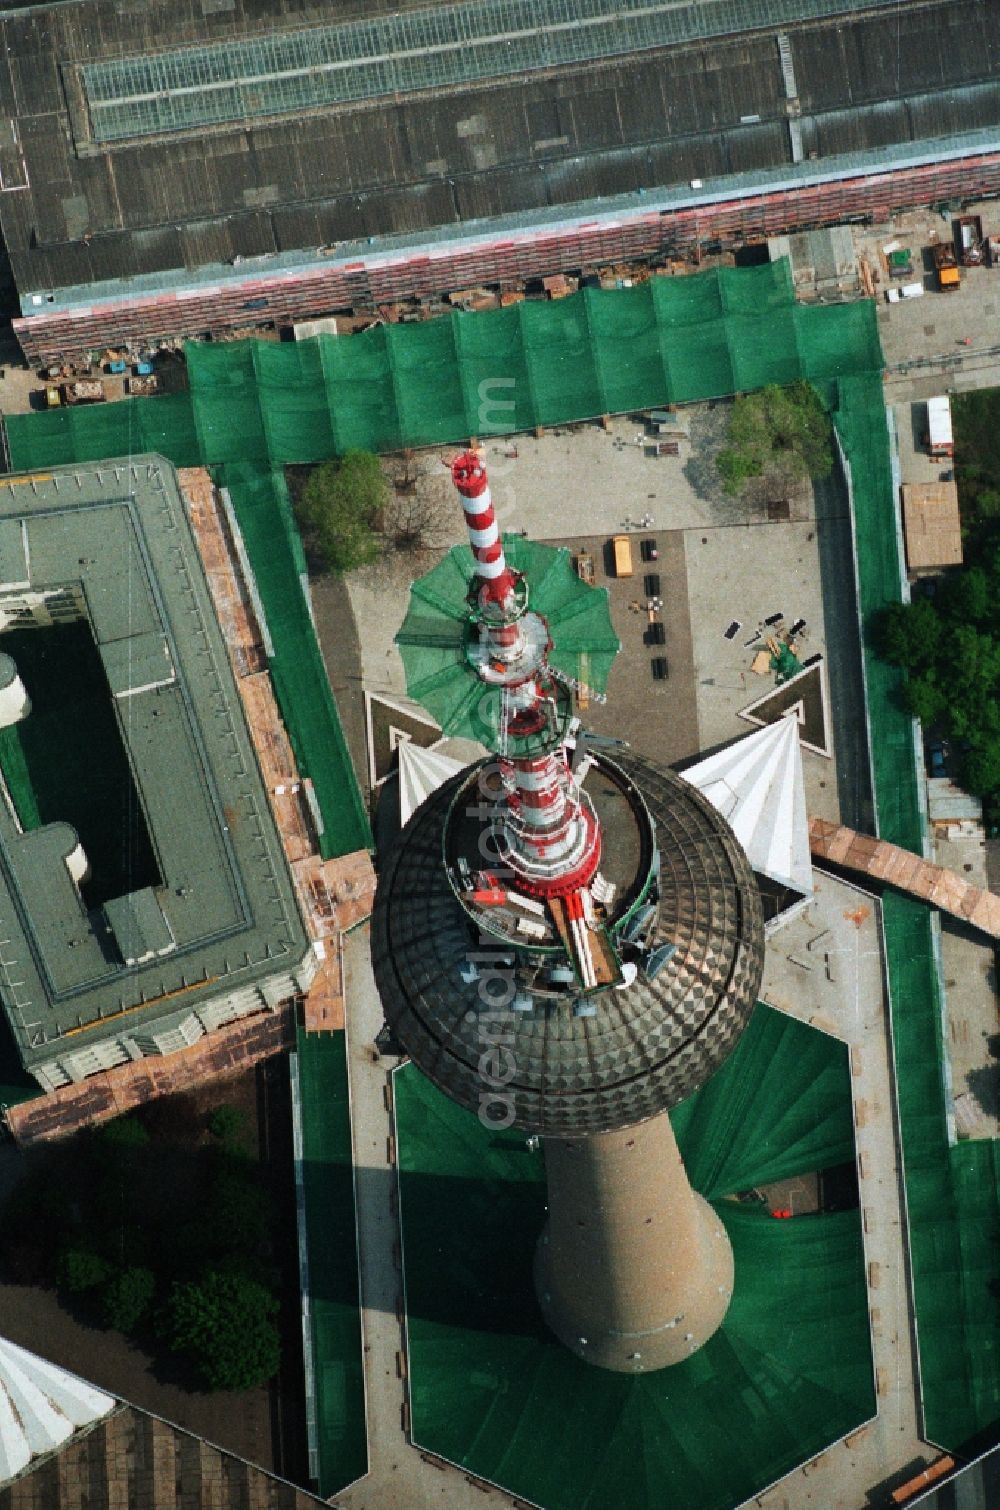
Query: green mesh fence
<point>952,1193</point>
<point>331,1247</point>
<point>736,1137</point>
<point>263,509</point>
<point>17,778</point>
<point>789,1371</point>
<point>535,363</point>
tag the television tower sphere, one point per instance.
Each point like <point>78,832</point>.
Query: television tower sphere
<point>568,942</point>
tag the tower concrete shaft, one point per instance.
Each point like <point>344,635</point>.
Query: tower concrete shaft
<point>634,1270</point>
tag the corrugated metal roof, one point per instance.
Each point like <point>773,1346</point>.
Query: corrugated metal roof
<point>428,164</point>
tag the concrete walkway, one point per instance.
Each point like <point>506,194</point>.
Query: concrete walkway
<point>399,1476</point>
<point>825,967</point>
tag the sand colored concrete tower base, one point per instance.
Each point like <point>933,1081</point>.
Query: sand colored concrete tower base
<point>634,1270</point>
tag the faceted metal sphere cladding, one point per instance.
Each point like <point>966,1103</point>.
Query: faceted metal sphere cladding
<point>462,1004</point>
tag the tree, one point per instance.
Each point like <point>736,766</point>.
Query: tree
<point>968,597</point>
<point>340,508</point>
<point>227,1123</point>
<point>925,699</point>
<point>127,1297</point>
<point>125,1133</point>
<point>221,1322</point>
<point>238,1211</point>
<point>781,434</point>
<point>418,521</point>
<point>908,634</point>
<point>80,1269</point>
<point>981,768</point>
<point>988,504</point>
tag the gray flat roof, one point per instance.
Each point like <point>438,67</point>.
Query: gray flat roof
<point>225,914</point>
<point>277,173</point>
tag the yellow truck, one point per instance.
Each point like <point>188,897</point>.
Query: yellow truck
<point>946,265</point>
<point>622,547</point>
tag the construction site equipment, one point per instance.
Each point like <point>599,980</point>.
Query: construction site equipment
<point>945,265</point>
<point>939,438</point>
<point>922,1480</point>
<point>83,391</point>
<point>622,547</point>
<point>907,291</point>
<point>969,240</point>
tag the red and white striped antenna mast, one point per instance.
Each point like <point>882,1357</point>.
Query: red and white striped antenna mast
<point>547,830</point>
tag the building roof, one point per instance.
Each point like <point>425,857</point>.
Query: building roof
<point>215,911</point>
<point>41,1406</point>
<point>932,525</point>
<point>116,160</point>
<point>756,783</point>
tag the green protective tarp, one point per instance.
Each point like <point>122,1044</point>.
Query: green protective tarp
<point>668,340</point>
<point>952,1193</point>
<point>334,1329</point>
<point>17,779</point>
<point>227,401</point>
<point>789,1371</point>
<point>775,1108</point>
<point>434,635</point>
<point>264,513</point>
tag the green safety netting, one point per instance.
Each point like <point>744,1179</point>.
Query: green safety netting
<point>17,778</point>
<point>789,1371</point>
<point>952,1193</point>
<point>435,634</point>
<point>337,1406</point>
<point>267,524</point>
<point>735,1136</point>
<point>535,363</point>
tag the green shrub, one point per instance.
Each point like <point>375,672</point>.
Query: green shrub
<point>782,434</point>
<point>227,1123</point>
<point>80,1269</point>
<point>339,510</point>
<point>222,1324</point>
<point>127,1297</point>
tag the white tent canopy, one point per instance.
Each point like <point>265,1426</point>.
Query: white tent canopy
<point>421,772</point>
<point>40,1407</point>
<point>756,783</point>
